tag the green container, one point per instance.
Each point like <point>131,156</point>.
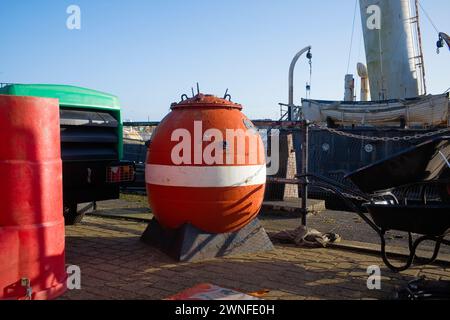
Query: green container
<point>73,97</point>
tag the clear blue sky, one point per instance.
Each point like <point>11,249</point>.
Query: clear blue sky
<point>149,52</point>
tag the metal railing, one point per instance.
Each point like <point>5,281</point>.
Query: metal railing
<point>285,110</point>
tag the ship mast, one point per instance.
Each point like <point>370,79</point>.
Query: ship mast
<point>420,57</point>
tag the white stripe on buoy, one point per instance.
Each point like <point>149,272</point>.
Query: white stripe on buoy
<point>205,177</point>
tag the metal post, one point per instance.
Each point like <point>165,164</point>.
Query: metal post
<point>304,185</point>
<point>291,82</point>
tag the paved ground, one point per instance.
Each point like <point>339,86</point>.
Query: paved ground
<point>116,265</point>
<point>348,225</point>
<point>352,229</point>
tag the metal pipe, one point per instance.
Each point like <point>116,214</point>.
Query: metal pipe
<point>349,94</point>
<point>291,80</point>
<point>304,185</point>
<point>444,37</point>
<point>364,75</point>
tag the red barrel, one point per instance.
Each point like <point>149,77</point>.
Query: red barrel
<point>206,166</point>
<point>31,219</point>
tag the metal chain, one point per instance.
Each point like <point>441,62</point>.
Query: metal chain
<point>384,139</point>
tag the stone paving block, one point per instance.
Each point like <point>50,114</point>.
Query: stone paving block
<point>319,266</point>
<point>435,271</point>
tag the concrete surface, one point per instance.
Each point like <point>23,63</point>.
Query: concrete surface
<point>116,265</point>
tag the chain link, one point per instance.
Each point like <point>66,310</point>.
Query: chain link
<point>383,139</point>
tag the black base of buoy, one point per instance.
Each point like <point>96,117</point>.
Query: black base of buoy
<point>188,243</point>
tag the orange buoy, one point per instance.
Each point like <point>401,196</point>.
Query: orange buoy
<point>32,262</point>
<point>206,166</point>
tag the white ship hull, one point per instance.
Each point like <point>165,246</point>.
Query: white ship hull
<point>425,111</point>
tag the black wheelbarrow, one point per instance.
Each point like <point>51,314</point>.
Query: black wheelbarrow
<point>423,167</point>
<point>385,189</point>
